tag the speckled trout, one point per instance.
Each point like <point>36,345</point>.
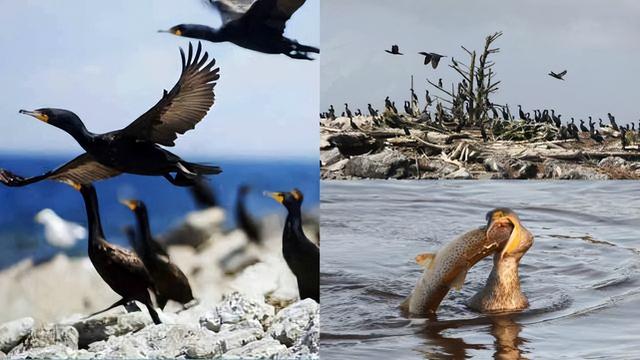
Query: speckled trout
<point>448,267</point>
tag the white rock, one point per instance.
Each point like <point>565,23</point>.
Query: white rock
<point>113,323</point>
<point>295,322</point>
<point>13,332</point>
<point>236,308</point>
<point>261,349</point>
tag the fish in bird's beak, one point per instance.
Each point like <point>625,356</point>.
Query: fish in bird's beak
<point>498,217</point>
<point>277,196</point>
<point>36,114</point>
<point>131,204</point>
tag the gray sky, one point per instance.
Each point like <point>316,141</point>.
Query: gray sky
<point>596,41</point>
<point>104,61</point>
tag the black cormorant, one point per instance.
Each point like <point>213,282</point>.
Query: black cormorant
<point>395,50</point>
<point>135,149</point>
<point>582,127</point>
<point>432,58</point>
<point>521,113</point>
<point>244,219</point>
<point>255,25</point>
<point>558,76</point>
<point>302,256</point>
<point>347,111</point>
<point>612,120</point>
<point>121,269</point>
<point>170,282</point>
<point>203,194</point>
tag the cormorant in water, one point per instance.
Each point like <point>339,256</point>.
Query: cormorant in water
<point>135,149</point>
<point>558,76</point>
<point>170,282</point>
<point>302,256</point>
<point>255,25</point>
<point>203,194</point>
<point>243,218</point>
<point>432,58</point>
<point>395,50</point>
<point>121,269</point>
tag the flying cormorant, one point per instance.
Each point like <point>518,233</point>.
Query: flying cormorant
<point>135,149</point>
<point>395,50</point>
<point>252,24</point>
<point>558,76</point>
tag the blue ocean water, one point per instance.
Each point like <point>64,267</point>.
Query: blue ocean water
<point>21,237</point>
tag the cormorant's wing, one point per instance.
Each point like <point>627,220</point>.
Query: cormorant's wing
<point>435,61</point>
<point>183,107</point>
<point>84,169</point>
<point>563,73</point>
<point>273,13</point>
<point>230,10</point>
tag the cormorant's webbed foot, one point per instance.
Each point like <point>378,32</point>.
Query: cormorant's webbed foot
<point>299,55</point>
<point>180,180</point>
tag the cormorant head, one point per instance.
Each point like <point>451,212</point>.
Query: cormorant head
<point>134,205</point>
<point>60,118</point>
<point>520,240</point>
<point>292,199</point>
<point>193,31</point>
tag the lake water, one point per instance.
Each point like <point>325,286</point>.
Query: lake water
<point>21,237</point>
<point>582,275</point>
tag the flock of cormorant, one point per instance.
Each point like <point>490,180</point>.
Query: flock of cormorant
<point>456,117</point>
<point>135,275</point>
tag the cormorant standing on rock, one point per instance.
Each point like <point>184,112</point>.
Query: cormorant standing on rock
<point>372,111</point>
<point>302,256</point>
<point>203,194</point>
<point>121,269</point>
<point>521,113</point>
<point>170,282</point>
<point>623,138</point>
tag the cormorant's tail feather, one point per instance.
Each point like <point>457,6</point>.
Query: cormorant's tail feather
<point>203,169</point>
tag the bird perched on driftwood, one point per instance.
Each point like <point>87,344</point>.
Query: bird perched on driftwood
<point>395,50</point>
<point>252,24</point>
<point>559,76</point>
<point>432,58</point>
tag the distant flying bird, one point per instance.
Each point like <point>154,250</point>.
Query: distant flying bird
<point>395,50</point>
<point>57,231</point>
<point>432,58</point>
<point>558,76</point>
<point>252,24</point>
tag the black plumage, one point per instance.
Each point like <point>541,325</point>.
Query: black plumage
<point>121,269</point>
<point>252,24</point>
<point>559,76</point>
<point>135,149</point>
<point>244,219</point>
<point>302,256</point>
<point>395,50</point>
<point>170,282</point>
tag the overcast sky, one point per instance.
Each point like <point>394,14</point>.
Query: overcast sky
<point>105,61</point>
<point>595,41</point>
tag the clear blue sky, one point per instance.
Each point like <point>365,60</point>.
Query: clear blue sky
<point>105,61</point>
<point>595,41</point>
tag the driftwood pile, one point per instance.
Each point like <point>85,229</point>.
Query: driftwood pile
<point>421,150</point>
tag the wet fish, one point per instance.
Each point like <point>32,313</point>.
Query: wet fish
<point>448,267</point>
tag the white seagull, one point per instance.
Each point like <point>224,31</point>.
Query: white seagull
<point>57,231</point>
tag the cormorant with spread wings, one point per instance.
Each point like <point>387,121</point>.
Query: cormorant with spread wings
<point>135,149</point>
<point>252,24</point>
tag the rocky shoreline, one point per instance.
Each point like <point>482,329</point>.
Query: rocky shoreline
<point>237,327</point>
<point>422,153</point>
<point>247,303</point>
